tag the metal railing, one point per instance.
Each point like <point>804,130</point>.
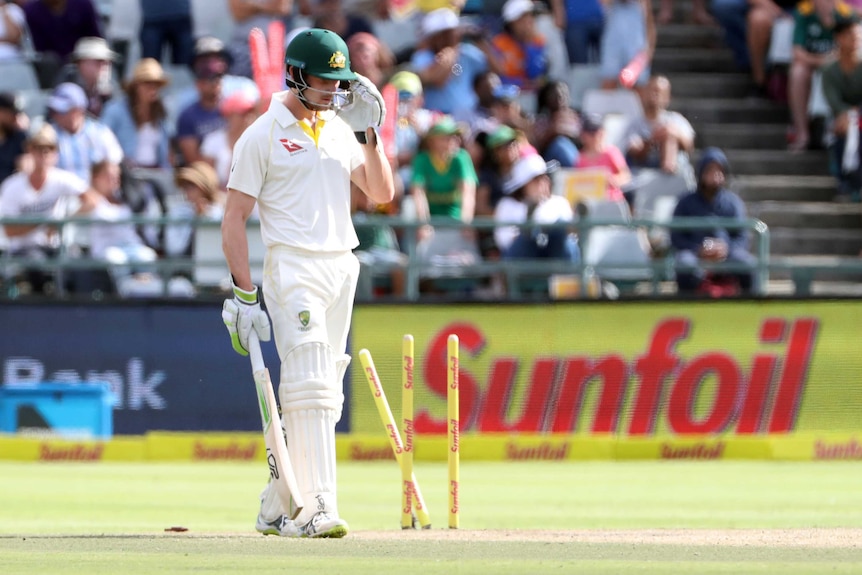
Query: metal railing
<point>655,270</point>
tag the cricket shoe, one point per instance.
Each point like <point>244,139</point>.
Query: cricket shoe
<point>322,524</point>
<point>283,526</point>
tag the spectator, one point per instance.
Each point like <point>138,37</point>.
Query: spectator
<point>529,199</point>
<point>444,186</point>
<point>203,116</point>
<point>13,25</point>
<point>38,193</point>
<point>660,138</point>
<point>204,199</point>
<point>139,120</point>
<point>57,25</point>
<point>117,241</point>
<point>91,68</point>
<point>370,58</point>
<point>247,15</point>
<point>12,136</point>
<point>520,49</point>
<point>331,15</point>
<point>486,87</point>
<point>596,153</point>
<point>812,48</point>
<point>239,111</point>
<point>208,49</point>
<point>447,66</point>
<point>731,15</point>
<point>83,141</point>
<point>506,107</point>
<point>762,15</point>
<point>699,13</point>
<point>504,146</point>
<point>693,246</point>
<point>412,121</point>
<point>166,23</point>
<point>842,88</point>
<point>378,245</point>
<point>585,21</point>
<point>629,30</point>
<point>557,125</point>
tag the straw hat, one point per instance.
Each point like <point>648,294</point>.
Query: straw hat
<point>148,70</point>
<point>201,175</point>
<point>44,135</point>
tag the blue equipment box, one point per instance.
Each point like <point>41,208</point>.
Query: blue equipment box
<point>65,409</point>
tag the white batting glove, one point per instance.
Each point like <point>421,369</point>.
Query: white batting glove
<point>243,314</point>
<point>365,108</point>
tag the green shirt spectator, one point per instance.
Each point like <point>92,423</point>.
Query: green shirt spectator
<point>810,32</point>
<point>442,170</point>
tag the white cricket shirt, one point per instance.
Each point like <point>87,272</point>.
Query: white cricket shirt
<point>19,199</point>
<point>302,186</point>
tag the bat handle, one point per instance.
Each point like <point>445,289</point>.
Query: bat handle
<point>254,352</point>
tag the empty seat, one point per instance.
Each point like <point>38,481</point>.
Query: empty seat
<point>604,247</point>
<point>621,102</point>
<point>581,79</point>
<point>18,76</point>
<point>210,267</point>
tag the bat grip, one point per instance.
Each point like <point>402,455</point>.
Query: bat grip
<point>254,352</point>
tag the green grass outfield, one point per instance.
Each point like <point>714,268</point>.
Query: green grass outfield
<point>593,517</point>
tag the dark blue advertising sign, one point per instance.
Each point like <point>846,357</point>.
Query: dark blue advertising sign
<point>170,366</point>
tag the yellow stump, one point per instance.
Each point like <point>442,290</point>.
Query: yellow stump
<point>392,431</point>
<point>407,431</point>
<point>453,428</point>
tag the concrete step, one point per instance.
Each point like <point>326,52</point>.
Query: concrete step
<point>838,287</point>
<point>730,111</point>
<point>815,241</point>
<point>748,161</point>
<point>847,279</point>
<point>689,36</point>
<point>700,60</point>
<point>788,214</point>
<point>754,188</point>
<point>692,85</point>
<point>728,136</point>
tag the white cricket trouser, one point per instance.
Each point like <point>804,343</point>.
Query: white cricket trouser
<point>309,298</point>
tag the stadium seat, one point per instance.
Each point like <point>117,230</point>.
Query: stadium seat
<point>212,18</point>
<point>581,79</point>
<point>652,185</point>
<point>604,247</point>
<point>18,76</point>
<point>621,102</point>
<point>210,268</point>
<point>617,108</point>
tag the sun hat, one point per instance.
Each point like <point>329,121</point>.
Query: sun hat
<point>525,169</point>
<point>149,70</point>
<point>93,48</point>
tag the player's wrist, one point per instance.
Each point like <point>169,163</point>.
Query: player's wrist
<point>248,297</point>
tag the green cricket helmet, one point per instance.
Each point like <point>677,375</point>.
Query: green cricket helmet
<point>321,53</point>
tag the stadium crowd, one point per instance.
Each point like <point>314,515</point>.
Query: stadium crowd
<point>504,109</point>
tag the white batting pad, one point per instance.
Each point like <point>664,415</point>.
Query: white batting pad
<point>309,380</point>
<point>311,443</point>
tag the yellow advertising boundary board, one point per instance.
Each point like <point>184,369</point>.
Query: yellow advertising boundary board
<point>630,369</point>
<point>199,447</point>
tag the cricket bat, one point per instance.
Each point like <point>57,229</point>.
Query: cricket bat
<point>631,72</point>
<point>280,469</point>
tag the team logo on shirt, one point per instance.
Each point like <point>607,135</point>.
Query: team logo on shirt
<point>337,60</point>
<point>304,318</point>
<point>290,146</point>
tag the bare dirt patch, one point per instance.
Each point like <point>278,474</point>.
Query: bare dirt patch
<point>849,538</point>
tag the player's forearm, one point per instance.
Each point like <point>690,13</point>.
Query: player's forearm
<point>235,248</point>
<point>378,172</point>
